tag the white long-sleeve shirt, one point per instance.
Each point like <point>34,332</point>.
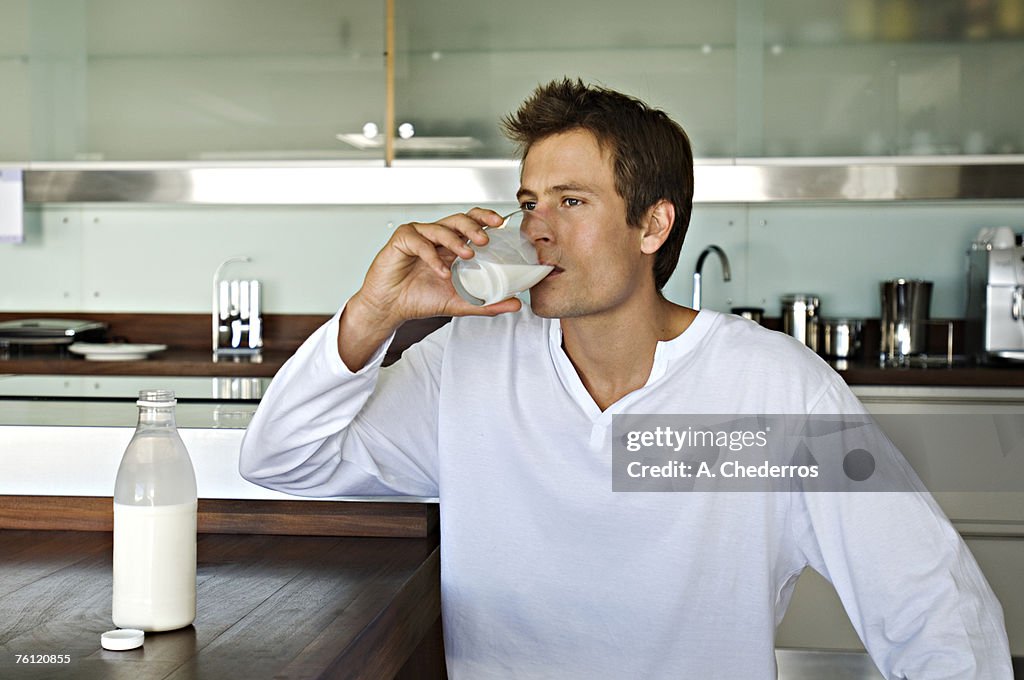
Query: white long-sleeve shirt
<point>548,573</point>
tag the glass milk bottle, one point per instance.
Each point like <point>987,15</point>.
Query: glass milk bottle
<point>155,523</point>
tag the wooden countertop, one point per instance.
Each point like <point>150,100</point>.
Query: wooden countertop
<point>863,373</point>
<point>176,362</point>
<point>190,354</point>
<point>267,607</point>
<point>195,363</point>
<point>189,350</point>
<point>198,363</point>
<point>285,590</point>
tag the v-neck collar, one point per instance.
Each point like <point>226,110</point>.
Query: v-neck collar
<point>664,353</point>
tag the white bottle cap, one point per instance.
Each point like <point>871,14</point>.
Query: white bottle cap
<point>122,639</point>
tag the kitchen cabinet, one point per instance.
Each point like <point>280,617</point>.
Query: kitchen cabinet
<point>461,65</point>
<point>749,78</point>
<point>816,619</point>
<point>231,80</point>
<point>15,81</point>
<point>967,445</point>
<point>226,80</point>
<point>890,77</point>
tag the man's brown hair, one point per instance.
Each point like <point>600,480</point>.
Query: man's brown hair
<point>651,153</point>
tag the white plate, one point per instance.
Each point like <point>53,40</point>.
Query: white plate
<point>114,351</point>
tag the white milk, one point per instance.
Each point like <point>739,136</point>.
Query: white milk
<point>495,282</point>
<point>154,566</point>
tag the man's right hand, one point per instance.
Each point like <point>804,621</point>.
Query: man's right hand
<point>410,278</point>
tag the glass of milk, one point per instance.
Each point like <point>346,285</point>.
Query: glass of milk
<point>505,267</point>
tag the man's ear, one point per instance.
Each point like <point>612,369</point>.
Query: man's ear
<point>657,226</point>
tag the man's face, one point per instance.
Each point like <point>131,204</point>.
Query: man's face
<point>577,220</point>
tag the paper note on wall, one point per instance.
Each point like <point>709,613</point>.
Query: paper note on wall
<point>12,225</point>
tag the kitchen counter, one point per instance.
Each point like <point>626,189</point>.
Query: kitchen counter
<point>282,607</point>
<point>194,362</point>
<point>189,353</point>
<point>61,455</point>
<point>868,373</point>
<point>267,607</point>
<point>72,447</point>
<point>176,362</point>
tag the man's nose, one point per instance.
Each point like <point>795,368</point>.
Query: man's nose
<point>535,227</point>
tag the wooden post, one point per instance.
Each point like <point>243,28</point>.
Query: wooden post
<point>389,94</point>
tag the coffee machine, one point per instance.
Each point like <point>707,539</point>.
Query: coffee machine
<point>995,301</point>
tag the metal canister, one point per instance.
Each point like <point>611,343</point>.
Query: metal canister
<point>755,314</point>
<point>800,318</point>
<point>841,338</point>
<point>906,308</point>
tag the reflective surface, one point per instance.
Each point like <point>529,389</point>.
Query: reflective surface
<point>127,387</point>
<point>461,64</point>
<point>305,79</point>
<point>194,79</point>
<point>495,182</point>
<point>899,77</point>
<point>803,664</point>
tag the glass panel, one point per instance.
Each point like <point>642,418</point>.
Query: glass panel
<point>462,64</point>
<point>15,82</point>
<point>207,79</point>
<point>885,77</point>
<point>301,79</point>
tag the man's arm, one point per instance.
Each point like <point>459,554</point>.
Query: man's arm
<point>323,430</point>
<point>908,582</point>
<point>333,423</point>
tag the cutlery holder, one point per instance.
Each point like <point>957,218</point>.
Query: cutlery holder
<point>237,317</point>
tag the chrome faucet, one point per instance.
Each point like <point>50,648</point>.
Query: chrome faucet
<point>726,271</point>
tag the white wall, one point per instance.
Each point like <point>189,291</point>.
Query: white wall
<point>161,259</point>
<point>840,252</point>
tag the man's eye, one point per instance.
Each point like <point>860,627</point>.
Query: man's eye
<point>528,205</point>
<point>572,202</point>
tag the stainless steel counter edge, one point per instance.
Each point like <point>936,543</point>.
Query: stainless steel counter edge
<point>494,181</point>
<point>870,394</point>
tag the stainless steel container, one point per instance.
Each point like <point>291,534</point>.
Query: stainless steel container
<point>841,338</point>
<point>906,307</point>
<point>755,314</point>
<point>800,318</point>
